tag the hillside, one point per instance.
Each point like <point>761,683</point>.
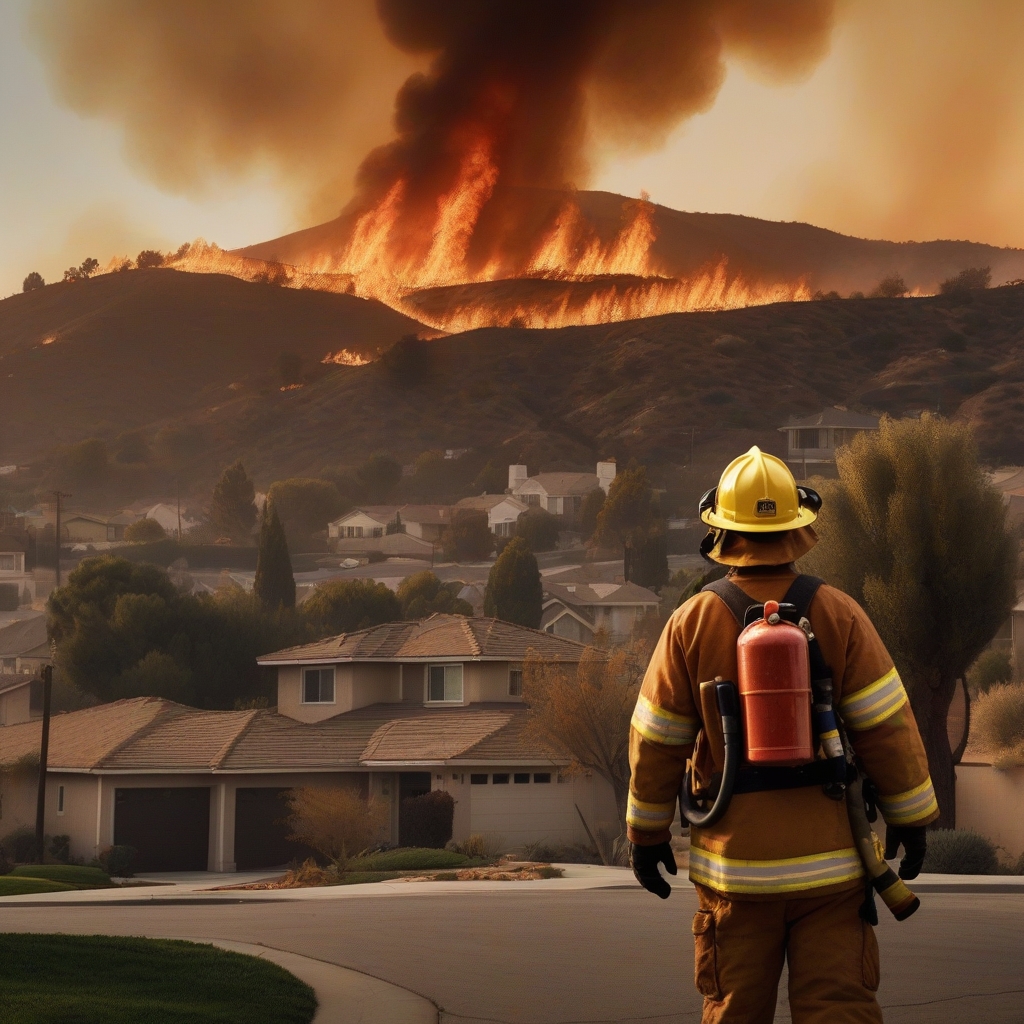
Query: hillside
<point>123,351</point>
<point>760,250</point>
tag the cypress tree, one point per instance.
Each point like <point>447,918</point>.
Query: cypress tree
<point>514,592</point>
<point>274,584</point>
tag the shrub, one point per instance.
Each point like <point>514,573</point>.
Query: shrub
<point>9,597</point>
<point>144,531</point>
<point>423,594</point>
<point>970,280</point>
<point>413,859</point>
<point>60,848</point>
<point>70,874</point>
<point>427,820</point>
<point>119,861</point>
<point>892,287</point>
<point>999,716</point>
<point>475,847</point>
<point>20,845</point>
<point>539,528</point>
<point>991,668</point>
<point>469,538</point>
<point>336,822</point>
<point>959,852</point>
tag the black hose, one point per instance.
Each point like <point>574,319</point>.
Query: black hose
<point>729,708</point>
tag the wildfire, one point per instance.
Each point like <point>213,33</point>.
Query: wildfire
<point>343,357</point>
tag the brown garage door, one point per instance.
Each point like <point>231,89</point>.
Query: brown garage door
<point>261,830</point>
<point>170,828</point>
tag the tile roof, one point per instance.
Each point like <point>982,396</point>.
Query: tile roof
<point>23,636</point>
<point>438,515</point>
<point>440,636</point>
<point>488,501</point>
<point>557,484</point>
<point>148,734</point>
<point>607,594</point>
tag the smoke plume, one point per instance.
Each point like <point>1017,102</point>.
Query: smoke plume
<point>207,90</point>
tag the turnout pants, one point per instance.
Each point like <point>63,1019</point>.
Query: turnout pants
<point>740,947</point>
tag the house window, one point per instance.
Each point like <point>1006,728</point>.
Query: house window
<point>7,563</point>
<point>500,779</point>
<point>444,683</point>
<point>521,778</point>
<point>807,438</point>
<point>515,682</point>
<point>318,686</point>
<point>530,499</point>
<point>478,780</point>
<point>60,799</point>
<point>542,777</point>
<point>378,531</point>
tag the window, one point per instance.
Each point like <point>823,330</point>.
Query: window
<point>60,799</point>
<point>478,780</point>
<point>500,779</point>
<point>807,438</point>
<point>7,563</point>
<point>318,686</point>
<point>521,778</point>
<point>542,777</point>
<point>378,531</point>
<point>530,499</point>
<point>515,682</point>
<point>444,683</point>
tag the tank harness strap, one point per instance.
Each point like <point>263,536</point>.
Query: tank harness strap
<point>732,596</point>
<point>801,593</point>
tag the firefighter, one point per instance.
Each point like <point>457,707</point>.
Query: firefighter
<point>778,876</point>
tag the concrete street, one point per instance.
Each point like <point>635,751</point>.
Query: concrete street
<point>531,955</point>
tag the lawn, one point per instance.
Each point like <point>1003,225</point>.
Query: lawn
<point>96,979</point>
<point>11,885</point>
<point>34,878</point>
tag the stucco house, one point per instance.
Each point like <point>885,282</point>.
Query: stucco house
<point>577,611</point>
<point>395,711</point>
<point>811,442</point>
<point>13,572</point>
<point>24,646</point>
<point>94,527</point>
<point>503,511</point>
<point>561,494</point>
<point>366,528</point>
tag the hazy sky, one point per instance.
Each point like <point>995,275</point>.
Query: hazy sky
<point>912,127</point>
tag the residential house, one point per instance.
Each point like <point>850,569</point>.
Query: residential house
<point>169,517</point>
<point>578,610</point>
<point>24,646</point>
<point>561,494</point>
<point>811,442</point>
<point>94,527</point>
<point>503,511</point>
<point>407,530</point>
<point>393,711</point>
<point>12,570</point>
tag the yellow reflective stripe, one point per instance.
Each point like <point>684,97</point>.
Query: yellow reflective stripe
<point>791,874</point>
<point>866,708</point>
<point>832,734</point>
<point>913,805</point>
<point>649,817</point>
<point>660,726</point>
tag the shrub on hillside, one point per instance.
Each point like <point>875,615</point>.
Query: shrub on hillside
<point>891,287</point>
<point>973,279</point>
<point>959,852</point>
<point>427,820</point>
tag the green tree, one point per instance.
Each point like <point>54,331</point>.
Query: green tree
<point>342,606</point>
<point>469,538</point>
<point>514,591</point>
<point>144,531</point>
<point>32,282</point>
<point>645,561</point>
<point>492,479</point>
<point>306,506</point>
<point>915,533</point>
<point>233,508</point>
<point>379,476</point>
<point>590,512</point>
<point>274,585</point>
<point>423,594</point>
<point>538,528</point>
<point>630,518</point>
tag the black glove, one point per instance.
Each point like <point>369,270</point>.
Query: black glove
<point>914,840</point>
<point>644,861</point>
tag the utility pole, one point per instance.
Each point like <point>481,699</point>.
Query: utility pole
<point>58,495</point>
<point>178,492</point>
<point>44,752</point>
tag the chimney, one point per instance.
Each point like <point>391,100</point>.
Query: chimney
<point>605,474</point>
<point>516,476</point>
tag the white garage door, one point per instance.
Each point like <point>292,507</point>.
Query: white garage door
<point>518,806</point>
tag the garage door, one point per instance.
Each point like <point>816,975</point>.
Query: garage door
<point>170,828</point>
<point>261,830</point>
<point>522,806</point>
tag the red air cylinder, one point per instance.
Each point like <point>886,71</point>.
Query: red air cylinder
<point>775,690</point>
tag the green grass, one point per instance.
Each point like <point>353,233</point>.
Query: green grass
<point>13,886</point>
<point>72,874</point>
<point>411,859</point>
<point>96,979</point>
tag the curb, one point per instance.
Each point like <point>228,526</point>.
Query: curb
<point>343,996</point>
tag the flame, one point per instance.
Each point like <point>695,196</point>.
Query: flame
<point>343,357</point>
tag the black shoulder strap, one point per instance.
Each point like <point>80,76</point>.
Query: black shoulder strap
<point>801,593</point>
<point>734,598</point>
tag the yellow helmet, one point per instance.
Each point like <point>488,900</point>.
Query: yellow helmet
<point>757,494</point>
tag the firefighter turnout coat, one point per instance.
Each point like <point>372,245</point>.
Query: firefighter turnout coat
<point>778,843</point>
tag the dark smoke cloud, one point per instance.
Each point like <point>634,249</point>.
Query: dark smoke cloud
<point>207,88</point>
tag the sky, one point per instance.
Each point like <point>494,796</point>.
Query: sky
<point>910,127</point>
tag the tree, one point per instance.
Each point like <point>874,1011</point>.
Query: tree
<point>233,508</point>
<point>492,479</point>
<point>336,821</point>
<point>149,259</point>
<point>629,517</point>
<point>538,529</point>
<point>973,279</point>
<point>379,476</point>
<point>409,361</point>
<point>84,464</point>
<point>342,606</point>
<point>32,282</point>
<point>85,270</point>
<point>469,538</point>
<point>914,532</point>
<point>583,712</point>
<point>274,585</point>
<point>645,561</point>
<point>144,531</point>
<point>305,505</point>
<point>891,287</point>
<point>590,512</point>
<point>423,594</point>
<point>514,591</point>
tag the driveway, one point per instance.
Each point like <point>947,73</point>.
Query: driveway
<point>561,956</point>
